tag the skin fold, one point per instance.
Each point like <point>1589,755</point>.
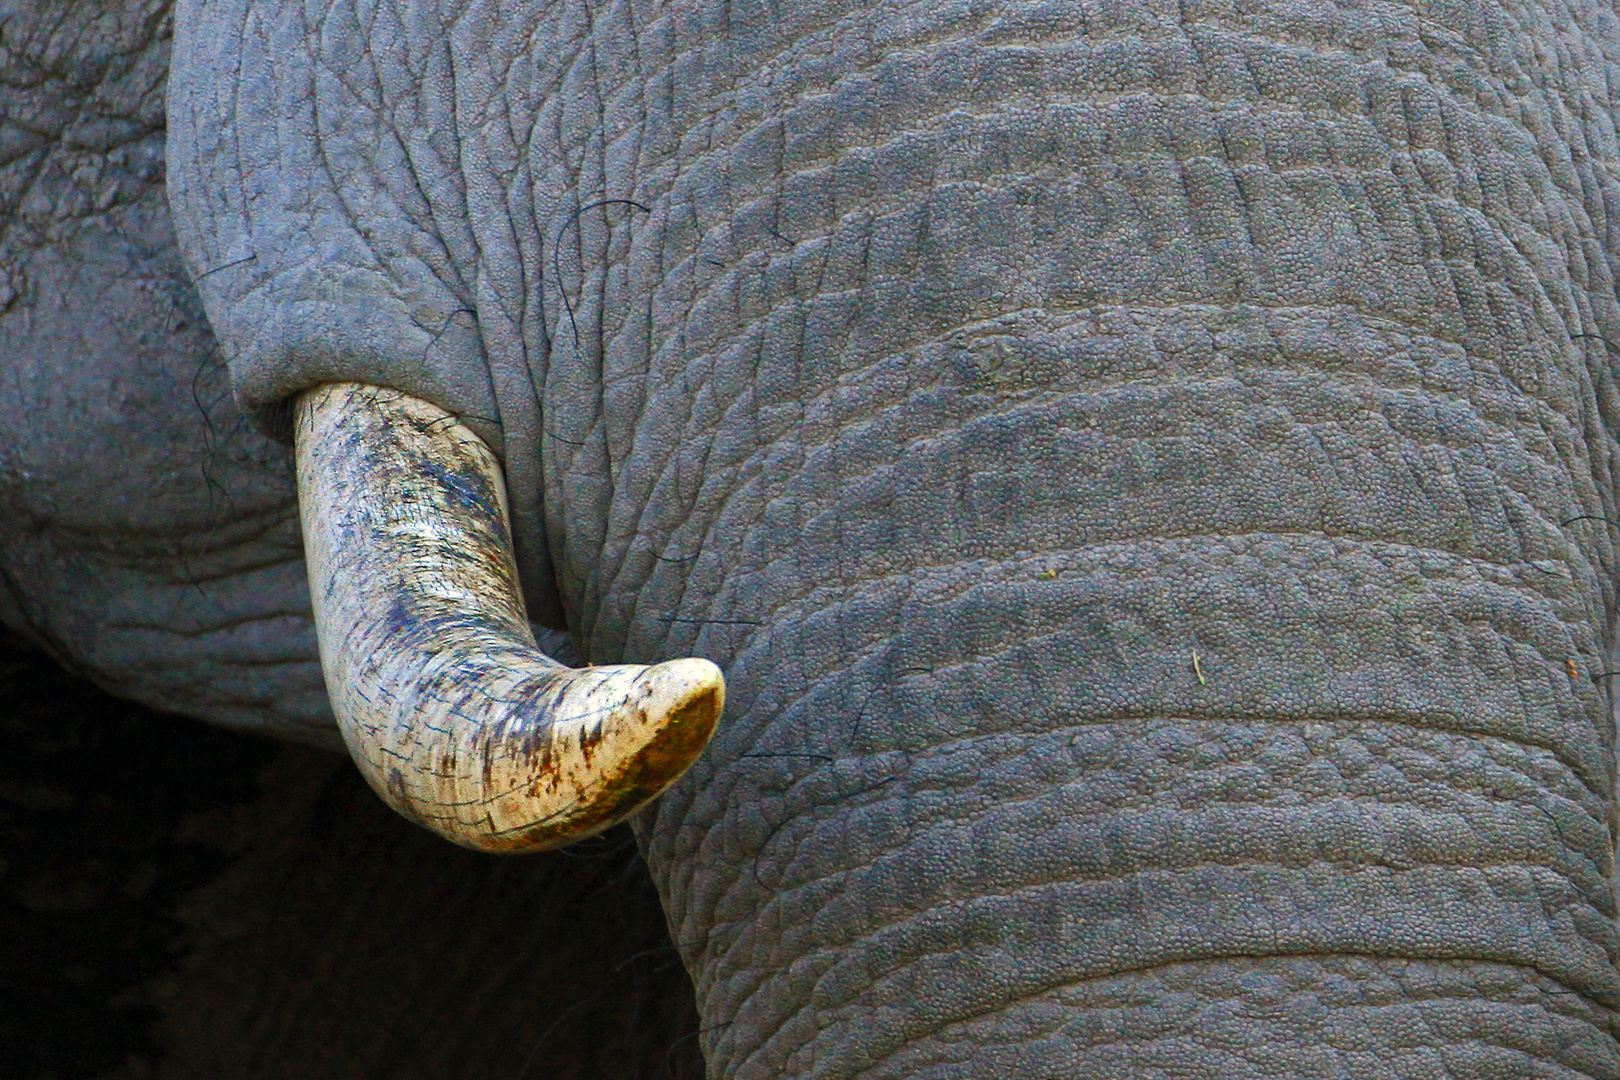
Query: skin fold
<point>148,537</point>
<point>1145,470</point>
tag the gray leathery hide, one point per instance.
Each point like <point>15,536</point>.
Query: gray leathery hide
<point>148,536</point>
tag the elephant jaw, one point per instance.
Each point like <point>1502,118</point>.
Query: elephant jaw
<point>451,710</point>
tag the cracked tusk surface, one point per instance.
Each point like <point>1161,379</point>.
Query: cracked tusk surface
<point>453,714</point>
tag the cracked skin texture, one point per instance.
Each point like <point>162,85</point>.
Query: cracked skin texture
<point>148,537</point>
<point>971,367</point>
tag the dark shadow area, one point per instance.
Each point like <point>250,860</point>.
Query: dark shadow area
<point>181,902</point>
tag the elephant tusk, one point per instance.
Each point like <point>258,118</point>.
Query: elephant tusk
<point>448,706</point>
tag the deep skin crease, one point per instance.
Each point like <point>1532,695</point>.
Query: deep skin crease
<point>971,369</point>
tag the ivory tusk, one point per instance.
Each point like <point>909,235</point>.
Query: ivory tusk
<point>452,712</point>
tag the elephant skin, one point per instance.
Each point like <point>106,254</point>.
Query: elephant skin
<point>148,537</point>
<point>1146,471</point>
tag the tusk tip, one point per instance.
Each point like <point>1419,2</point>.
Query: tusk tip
<point>645,733</point>
<point>682,701</point>
<point>689,684</point>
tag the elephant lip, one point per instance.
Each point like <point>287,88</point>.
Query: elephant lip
<point>452,712</point>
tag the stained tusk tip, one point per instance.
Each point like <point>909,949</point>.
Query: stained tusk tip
<point>688,683</point>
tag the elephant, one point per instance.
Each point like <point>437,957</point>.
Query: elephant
<point>1145,473</point>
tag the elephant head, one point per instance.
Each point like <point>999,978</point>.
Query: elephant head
<point>1146,472</point>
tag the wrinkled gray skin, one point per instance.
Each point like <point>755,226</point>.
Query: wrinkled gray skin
<point>148,537</point>
<point>1146,469</point>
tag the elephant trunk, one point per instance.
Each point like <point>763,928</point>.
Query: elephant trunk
<point>1132,810</point>
<point>452,712</point>
<point>1160,552</point>
<point>1175,724</point>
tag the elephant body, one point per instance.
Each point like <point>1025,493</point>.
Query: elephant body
<point>1146,470</point>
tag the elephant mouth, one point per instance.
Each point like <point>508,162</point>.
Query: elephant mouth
<point>452,712</point>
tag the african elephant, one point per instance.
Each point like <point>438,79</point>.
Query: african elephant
<point>1145,472</point>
